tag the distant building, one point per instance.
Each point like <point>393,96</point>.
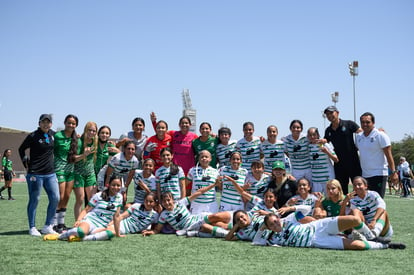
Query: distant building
<point>189,111</point>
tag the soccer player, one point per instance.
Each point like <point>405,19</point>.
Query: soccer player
<point>331,204</point>
<point>123,164</point>
<point>248,146</point>
<point>272,149</point>
<point>98,214</point>
<point>297,148</point>
<point>179,217</point>
<point>200,176</point>
<point>85,178</point>
<point>156,143</point>
<point>144,181</point>
<point>321,158</point>
<point>206,142</point>
<point>65,150</point>
<point>304,197</point>
<point>321,233</point>
<point>225,147</point>
<point>170,177</point>
<point>230,199</point>
<point>368,206</point>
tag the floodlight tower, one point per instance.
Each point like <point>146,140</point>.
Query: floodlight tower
<point>188,110</point>
<point>353,70</point>
<point>335,97</point>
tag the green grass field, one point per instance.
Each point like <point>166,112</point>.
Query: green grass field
<point>134,254</point>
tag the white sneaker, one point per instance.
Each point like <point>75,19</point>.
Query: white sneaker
<point>34,232</point>
<point>192,233</point>
<point>181,232</point>
<point>48,229</point>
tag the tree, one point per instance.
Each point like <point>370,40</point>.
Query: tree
<point>404,148</point>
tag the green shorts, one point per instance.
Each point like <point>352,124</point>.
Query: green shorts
<point>63,176</point>
<point>85,181</point>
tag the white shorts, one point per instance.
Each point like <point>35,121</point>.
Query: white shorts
<point>319,187</point>
<point>326,234</point>
<point>92,226</point>
<point>306,173</point>
<point>203,208</point>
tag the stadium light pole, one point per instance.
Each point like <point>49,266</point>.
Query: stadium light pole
<point>335,97</point>
<point>353,70</point>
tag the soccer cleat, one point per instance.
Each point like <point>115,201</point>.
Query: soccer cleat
<point>181,232</point>
<point>2,198</point>
<point>48,229</point>
<point>34,232</point>
<point>11,199</point>
<point>192,233</point>
<point>356,236</point>
<point>74,239</point>
<point>383,240</point>
<point>396,246</point>
<point>51,237</point>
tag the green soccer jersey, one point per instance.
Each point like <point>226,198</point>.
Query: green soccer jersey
<point>60,150</point>
<point>84,167</point>
<point>209,145</point>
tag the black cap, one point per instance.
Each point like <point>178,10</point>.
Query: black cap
<point>331,109</point>
<point>45,116</point>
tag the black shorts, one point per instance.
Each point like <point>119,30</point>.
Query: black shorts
<point>8,175</point>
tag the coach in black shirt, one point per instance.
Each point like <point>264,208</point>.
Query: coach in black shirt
<point>40,173</point>
<point>341,134</point>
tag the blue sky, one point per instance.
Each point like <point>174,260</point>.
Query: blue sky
<point>268,62</point>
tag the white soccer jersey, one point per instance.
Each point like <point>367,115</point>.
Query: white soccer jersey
<point>271,153</point>
<point>139,219</point>
<point>257,187</point>
<point>298,151</point>
<point>223,152</point>
<point>368,205</point>
<point>139,192</point>
<point>250,151</point>
<point>260,205</point>
<point>203,178</point>
<point>248,233</point>
<point>180,217</point>
<point>168,182</point>
<point>103,211</point>
<point>122,166</point>
<point>293,233</point>
<point>310,200</point>
<point>321,164</point>
<point>229,193</point>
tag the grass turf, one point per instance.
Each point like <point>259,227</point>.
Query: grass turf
<point>23,254</point>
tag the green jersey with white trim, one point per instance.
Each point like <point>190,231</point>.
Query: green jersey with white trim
<point>84,167</point>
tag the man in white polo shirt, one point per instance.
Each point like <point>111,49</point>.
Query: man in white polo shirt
<point>375,154</point>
